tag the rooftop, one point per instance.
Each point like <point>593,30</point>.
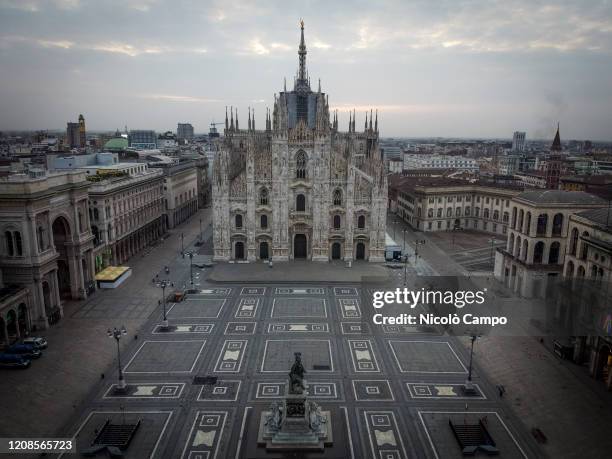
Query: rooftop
<point>601,216</point>
<point>560,197</point>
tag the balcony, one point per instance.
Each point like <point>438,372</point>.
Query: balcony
<point>361,231</point>
<point>300,216</point>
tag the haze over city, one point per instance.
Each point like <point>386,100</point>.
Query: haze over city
<point>465,69</point>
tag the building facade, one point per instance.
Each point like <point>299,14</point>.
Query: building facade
<point>518,141</point>
<point>47,244</point>
<point>440,162</point>
<point>142,139</point>
<point>184,132</point>
<point>300,188</point>
<point>76,135</point>
<point>180,192</point>
<point>442,204</point>
<point>538,237</point>
<point>126,211</point>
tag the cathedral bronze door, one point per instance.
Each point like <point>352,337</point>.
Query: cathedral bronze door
<point>300,246</point>
<point>360,251</point>
<point>239,251</point>
<point>263,250</point>
<point>336,249</point>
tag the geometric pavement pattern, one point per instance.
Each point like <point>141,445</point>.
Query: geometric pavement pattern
<point>390,390</point>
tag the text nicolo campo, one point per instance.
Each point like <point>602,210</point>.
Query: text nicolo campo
<point>412,298</point>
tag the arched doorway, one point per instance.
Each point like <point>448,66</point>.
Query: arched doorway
<point>360,251</point>
<point>22,319</point>
<point>263,250</point>
<point>47,297</point>
<point>61,236</point>
<point>300,246</point>
<point>11,324</point>
<point>239,250</point>
<point>336,251</point>
<point>63,278</point>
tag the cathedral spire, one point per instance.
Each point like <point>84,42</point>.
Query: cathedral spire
<point>226,122</point>
<point>302,55</point>
<point>350,122</point>
<point>249,119</point>
<point>253,122</point>
<point>354,120</point>
<point>556,145</point>
<point>237,119</point>
<point>376,122</point>
<point>370,119</point>
<point>232,117</point>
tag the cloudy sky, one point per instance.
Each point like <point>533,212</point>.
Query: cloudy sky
<point>480,68</point>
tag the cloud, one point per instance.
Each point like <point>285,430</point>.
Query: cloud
<point>177,98</point>
<point>257,47</point>
<point>34,6</point>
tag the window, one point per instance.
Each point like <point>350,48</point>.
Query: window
<point>337,197</point>
<point>557,224</point>
<point>439,225</point>
<point>487,201</point>
<point>429,225</point>
<point>238,221</point>
<point>506,217</point>
<point>263,197</point>
<point>300,165</point>
<point>300,203</point>
<point>485,213</point>
<point>430,213</point>
<point>41,238</point>
<point>467,211</point>
<point>449,212</point>
<point>361,222</point>
<point>439,213</point>
<point>496,215</point>
<point>584,247</point>
<point>10,249</point>
<point>263,221</point>
<point>458,212</point>
<point>337,221</point>
<point>542,224</point>
<point>574,241</point>
<point>18,244</point>
<point>477,212</point>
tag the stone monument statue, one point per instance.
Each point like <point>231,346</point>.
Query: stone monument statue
<point>296,423</point>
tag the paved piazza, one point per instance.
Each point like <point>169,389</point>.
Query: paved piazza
<point>200,386</point>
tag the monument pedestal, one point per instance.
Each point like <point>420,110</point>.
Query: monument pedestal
<point>296,424</point>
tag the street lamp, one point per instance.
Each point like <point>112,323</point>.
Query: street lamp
<point>200,230</point>
<point>182,245</point>
<point>394,227</point>
<point>190,254</point>
<point>468,388</point>
<point>163,284</point>
<point>118,334</point>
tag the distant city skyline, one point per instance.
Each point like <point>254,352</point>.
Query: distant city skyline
<point>479,69</point>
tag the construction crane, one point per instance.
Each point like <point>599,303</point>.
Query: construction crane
<point>213,130</point>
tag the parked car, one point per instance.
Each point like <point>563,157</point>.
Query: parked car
<point>25,350</point>
<point>14,361</point>
<point>36,341</point>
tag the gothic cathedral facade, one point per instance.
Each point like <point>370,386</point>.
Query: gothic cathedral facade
<point>299,188</point>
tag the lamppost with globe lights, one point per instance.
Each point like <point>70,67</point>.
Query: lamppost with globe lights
<point>163,284</point>
<point>118,334</point>
<point>190,254</point>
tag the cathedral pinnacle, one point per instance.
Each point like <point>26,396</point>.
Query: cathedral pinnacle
<point>302,75</point>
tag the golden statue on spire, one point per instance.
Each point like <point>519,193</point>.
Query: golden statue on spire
<point>302,23</point>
